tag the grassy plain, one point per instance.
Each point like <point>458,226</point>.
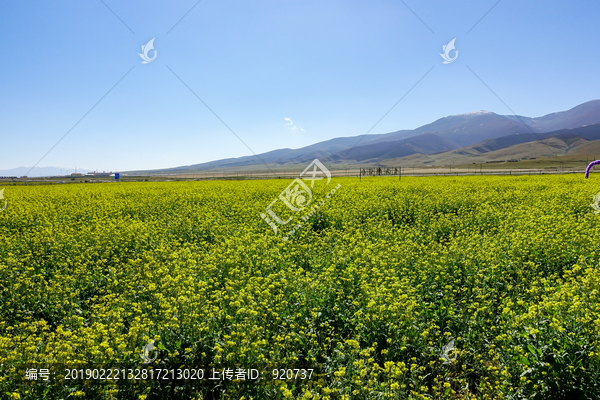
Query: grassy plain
<point>368,291</point>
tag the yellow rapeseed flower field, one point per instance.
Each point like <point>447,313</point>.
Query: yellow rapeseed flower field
<point>425,288</point>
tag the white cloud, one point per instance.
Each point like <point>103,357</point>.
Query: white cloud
<point>290,124</point>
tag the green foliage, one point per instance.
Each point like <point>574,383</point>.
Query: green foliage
<point>372,288</point>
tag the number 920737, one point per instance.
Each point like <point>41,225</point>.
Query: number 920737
<point>289,373</point>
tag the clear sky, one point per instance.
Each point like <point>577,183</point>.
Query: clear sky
<point>329,68</point>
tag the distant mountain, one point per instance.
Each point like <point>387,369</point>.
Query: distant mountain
<point>589,132</point>
<point>425,143</point>
<point>445,134</point>
<point>463,130</point>
<point>460,129</point>
<point>41,171</point>
<point>581,115</point>
<point>581,142</point>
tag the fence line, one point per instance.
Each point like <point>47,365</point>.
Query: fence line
<point>358,173</point>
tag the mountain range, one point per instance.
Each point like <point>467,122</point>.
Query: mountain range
<point>466,135</point>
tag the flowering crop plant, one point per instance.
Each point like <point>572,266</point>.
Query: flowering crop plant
<point>426,288</point>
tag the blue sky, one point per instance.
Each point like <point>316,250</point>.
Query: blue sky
<point>333,67</point>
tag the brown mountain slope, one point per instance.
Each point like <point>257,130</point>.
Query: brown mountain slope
<point>550,147</point>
